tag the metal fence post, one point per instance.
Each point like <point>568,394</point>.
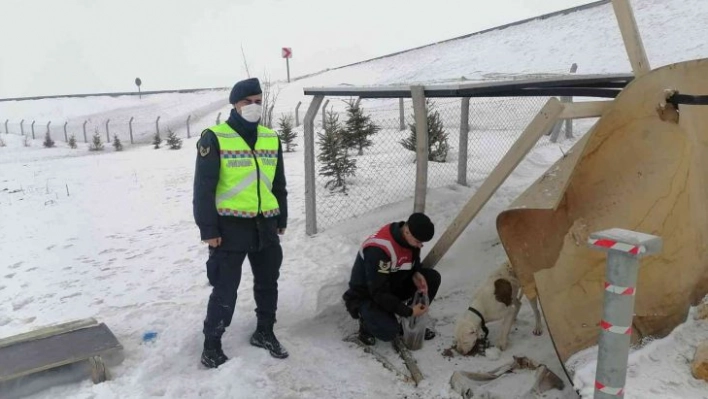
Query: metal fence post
<point>401,115</point>
<point>157,125</point>
<point>108,135</point>
<point>297,114</point>
<point>33,130</point>
<point>130,129</point>
<point>48,133</point>
<point>324,111</point>
<point>6,131</point>
<point>85,137</point>
<point>22,127</point>
<point>624,249</point>
<point>421,136</point>
<point>188,118</point>
<point>310,189</point>
<point>569,122</point>
<point>464,133</point>
<point>66,136</point>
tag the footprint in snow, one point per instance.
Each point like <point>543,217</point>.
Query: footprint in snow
<point>16,265</point>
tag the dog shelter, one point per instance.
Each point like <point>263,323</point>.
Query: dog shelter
<point>640,167</point>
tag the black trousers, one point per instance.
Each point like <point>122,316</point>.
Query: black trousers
<point>224,274</point>
<point>382,324</point>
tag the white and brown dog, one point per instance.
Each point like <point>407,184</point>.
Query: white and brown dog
<point>499,298</point>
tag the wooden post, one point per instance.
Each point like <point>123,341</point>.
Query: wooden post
<point>538,127</point>
<point>421,134</point>
<point>22,127</point>
<point>188,118</point>
<point>310,189</point>
<point>85,137</point>
<point>33,129</point>
<point>130,128</point>
<point>631,37</point>
<point>66,136</point>
<point>464,134</point>
<point>108,133</point>
<point>569,99</point>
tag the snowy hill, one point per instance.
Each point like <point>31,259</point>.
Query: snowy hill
<point>111,235</point>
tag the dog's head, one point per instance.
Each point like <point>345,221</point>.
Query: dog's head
<point>467,333</point>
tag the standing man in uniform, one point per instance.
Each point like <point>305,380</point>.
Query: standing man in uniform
<point>386,274</point>
<point>240,207</point>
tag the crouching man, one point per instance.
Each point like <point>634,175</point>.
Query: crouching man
<point>386,274</point>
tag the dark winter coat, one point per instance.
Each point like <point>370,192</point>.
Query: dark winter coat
<point>366,283</point>
<point>237,234</point>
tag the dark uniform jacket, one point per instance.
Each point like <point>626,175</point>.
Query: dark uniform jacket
<point>367,283</point>
<point>237,234</point>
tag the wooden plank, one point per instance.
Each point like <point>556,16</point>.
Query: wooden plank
<point>48,331</point>
<point>421,133</point>
<point>631,37</point>
<point>408,359</point>
<point>37,355</point>
<point>586,109</point>
<point>541,124</point>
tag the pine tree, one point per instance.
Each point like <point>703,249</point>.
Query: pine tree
<point>156,140</point>
<point>96,145</point>
<point>117,144</point>
<point>359,128</point>
<point>173,141</point>
<point>333,155</point>
<point>286,132</point>
<point>48,142</point>
<point>437,137</point>
<point>72,141</point>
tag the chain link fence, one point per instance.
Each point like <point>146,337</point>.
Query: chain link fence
<point>386,171</point>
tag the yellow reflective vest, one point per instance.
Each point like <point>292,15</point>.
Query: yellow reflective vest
<point>246,176</point>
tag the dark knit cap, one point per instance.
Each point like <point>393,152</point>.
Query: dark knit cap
<point>421,227</point>
<point>243,89</point>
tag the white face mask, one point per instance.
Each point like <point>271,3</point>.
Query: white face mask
<point>252,112</point>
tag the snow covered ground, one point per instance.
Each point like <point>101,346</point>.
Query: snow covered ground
<point>110,235</point>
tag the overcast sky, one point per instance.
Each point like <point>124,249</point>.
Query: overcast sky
<point>83,46</point>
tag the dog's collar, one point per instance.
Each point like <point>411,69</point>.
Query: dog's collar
<point>484,325</point>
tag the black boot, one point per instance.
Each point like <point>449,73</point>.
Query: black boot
<point>212,355</point>
<point>264,337</point>
<point>364,335</point>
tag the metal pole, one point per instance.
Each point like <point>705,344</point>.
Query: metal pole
<point>66,136</point>
<point>310,192</point>
<point>22,127</point>
<point>421,136</point>
<point>33,130</point>
<point>287,64</point>
<point>218,118</point>
<point>401,116</point>
<point>108,135</point>
<point>48,133</point>
<point>157,125</point>
<point>624,249</point>
<point>297,114</point>
<point>130,128</point>
<point>188,118</point>
<point>464,131</point>
<point>569,122</point>
<point>6,131</point>
<point>85,138</point>
<point>324,111</point>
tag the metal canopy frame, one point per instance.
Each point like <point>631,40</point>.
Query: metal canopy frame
<point>607,86</point>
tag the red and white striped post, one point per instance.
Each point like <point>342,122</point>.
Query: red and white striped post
<point>624,249</point>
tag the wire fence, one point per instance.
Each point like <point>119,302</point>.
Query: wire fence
<point>130,126</point>
<point>386,171</point>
